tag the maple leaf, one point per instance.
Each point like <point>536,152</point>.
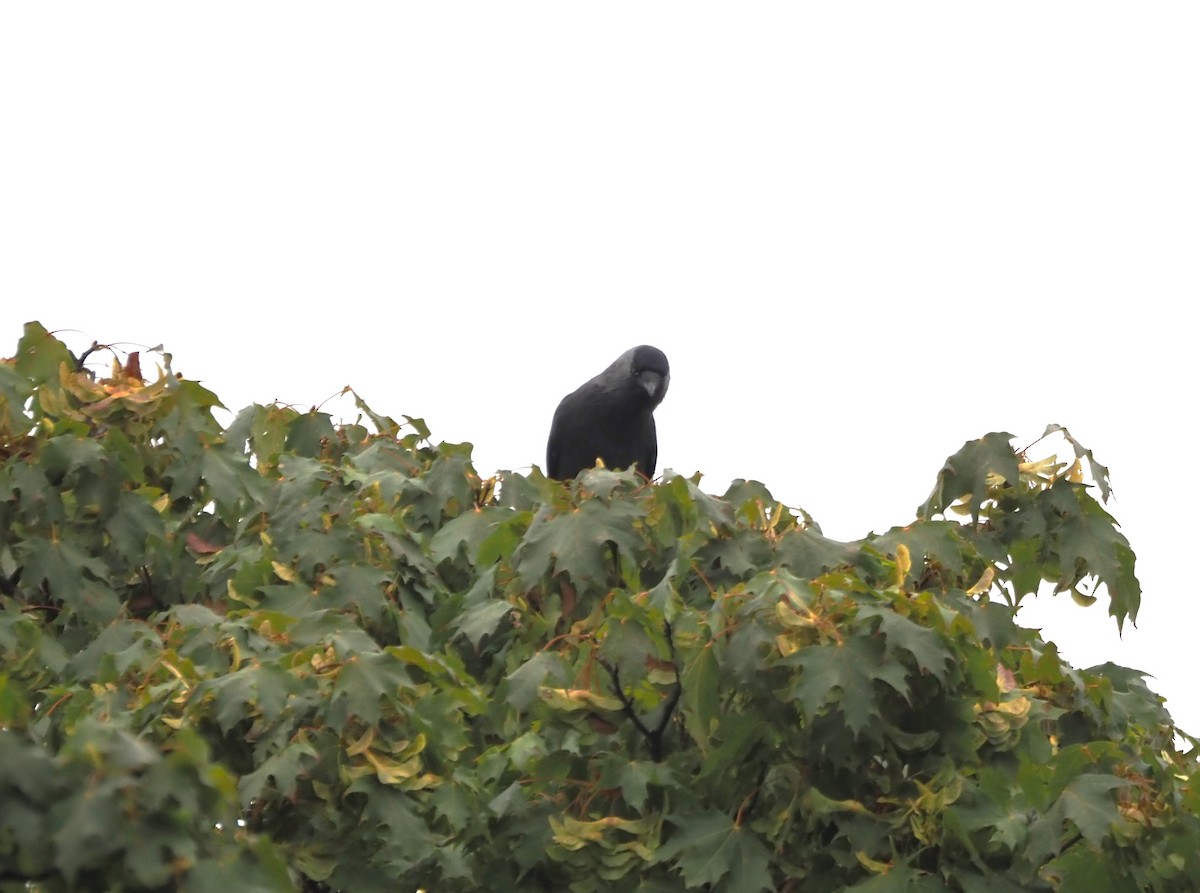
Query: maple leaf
<point>846,674</point>
<point>711,849</point>
<point>577,542</point>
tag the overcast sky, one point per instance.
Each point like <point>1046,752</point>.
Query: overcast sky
<point>863,233</point>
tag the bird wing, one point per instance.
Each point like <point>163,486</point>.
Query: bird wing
<point>651,451</point>
<point>554,445</point>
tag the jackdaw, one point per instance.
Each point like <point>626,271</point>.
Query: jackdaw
<point>611,417</point>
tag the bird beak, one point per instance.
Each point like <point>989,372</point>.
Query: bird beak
<point>654,384</point>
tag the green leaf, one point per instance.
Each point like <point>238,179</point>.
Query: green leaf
<point>901,879</point>
<point>846,674</point>
<point>1081,868</point>
<point>362,587</point>
<point>502,539</point>
<point>258,869</point>
<point>965,474</point>
<point>900,633</point>
<point>807,553</point>
<point>482,619</point>
<point>309,433</point>
<point>521,685</point>
<point>1099,472</point>
<point>15,390</point>
<point>1092,544</point>
<point>135,528</point>
<point>701,698</point>
<point>1087,802</point>
<point>40,355</point>
<point>258,690</point>
<point>62,564</point>
<point>466,532</point>
<point>285,768</point>
<point>327,627</point>
<point>1005,820</point>
<point>937,542</point>
<point>85,835</point>
<point>635,778</point>
<point>230,480</point>
<point>708,848</point>
<point>991,883</point>
<point>710,514</point>
<point>68,453</point>
<point>364,681</point>
<point>117,648</point>
<point>577,542</point>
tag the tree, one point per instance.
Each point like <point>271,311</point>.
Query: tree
<point>286,654</point>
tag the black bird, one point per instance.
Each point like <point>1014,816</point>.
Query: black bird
<point>611,417</point>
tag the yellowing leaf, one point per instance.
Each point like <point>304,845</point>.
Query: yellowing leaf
<point>411,748</point>
<point>572,699</point>
<point>1005,680</point>
<point>1018,706</point>
<point>390,771</point>
<point>234,595</point>
<point>662,676</point>
<point>903,564</point>
<point>984,583</point>
<point>1082,598</point>
<point>872,865</point>
<point>795,617</point>
<point>1046,468</point>
<point>787,645</point>
<point>573,834</point>
<point>285,573</point>
<point>363,743</point>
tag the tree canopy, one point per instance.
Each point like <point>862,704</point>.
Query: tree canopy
<point>288,654</point>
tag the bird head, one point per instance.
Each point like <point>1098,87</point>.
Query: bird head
<point>648,366</point>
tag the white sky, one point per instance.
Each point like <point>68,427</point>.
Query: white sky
<point>863,233</point>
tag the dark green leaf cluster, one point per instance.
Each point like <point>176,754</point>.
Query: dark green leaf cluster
<point>289,655</point>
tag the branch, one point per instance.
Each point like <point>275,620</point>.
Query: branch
<point>654,737</point>
<point>96,345</point>
<point>677,692</point>
<point>614,673</point>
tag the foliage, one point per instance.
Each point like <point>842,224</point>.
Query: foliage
<point>285,654</point>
